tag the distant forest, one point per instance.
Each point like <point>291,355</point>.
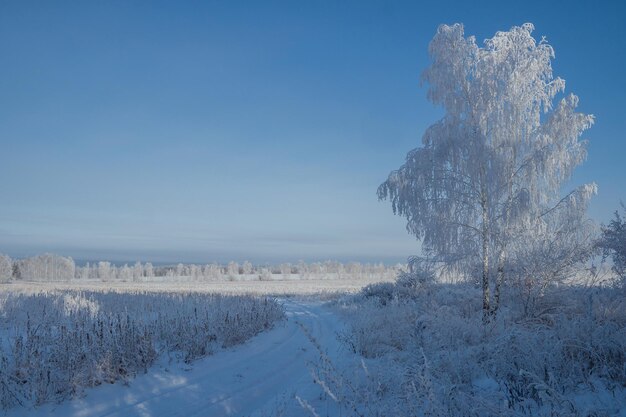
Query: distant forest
<point>50,267</point>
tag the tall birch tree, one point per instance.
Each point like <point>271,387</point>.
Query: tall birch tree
<point>493,166</point>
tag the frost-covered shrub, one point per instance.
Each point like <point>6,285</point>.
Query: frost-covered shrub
<point>433,355</point>
<point>414,280</point>
<point>393,331</point>
<point>56,343</point>
<point>407,286</point>
<point>383,292</point>
<point>417,279</point>
<point>420,274</point>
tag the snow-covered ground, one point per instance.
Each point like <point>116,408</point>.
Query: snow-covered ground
<point>318,286</point>
<point>393,349</point>
<point>264,376</point>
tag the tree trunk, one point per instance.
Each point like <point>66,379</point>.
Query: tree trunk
<point>499,281</point>
<point>504,237</point>
<point>485,281</point>
<point>485,257</point>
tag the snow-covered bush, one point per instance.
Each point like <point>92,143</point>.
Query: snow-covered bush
<point>418,278</point>
<point>55,343</point>
<point>383,292</point>
<point>432,354</point>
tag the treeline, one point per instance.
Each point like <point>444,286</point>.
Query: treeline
<point>49,267</point>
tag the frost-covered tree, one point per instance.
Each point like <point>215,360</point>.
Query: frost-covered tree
<point>84,272</point>
<point>125,273</point>
<point>232,269</point>
<point>265,274</point>
<point>137,271</point>
<point>246,268</point>
<point>6,268</point>
<point>285,270</point>
<point>211,271</point>
<point>149,270</point>
<point>46,267</point>
<point>303,269</point>
<point>613,243</point>
<point>493,166</point>
<point>104,270</point>
<point>195,271</point>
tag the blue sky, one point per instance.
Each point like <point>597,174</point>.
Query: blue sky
<point>201,131</point>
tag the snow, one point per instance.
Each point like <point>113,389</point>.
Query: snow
<point>355,354</point>
<point>258,378</point>
<point>278,287</point>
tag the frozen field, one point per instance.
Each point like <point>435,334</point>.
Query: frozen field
<point>311,286</point>
<point>333,349</point>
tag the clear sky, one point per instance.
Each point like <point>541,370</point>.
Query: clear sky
<point>201,131</point>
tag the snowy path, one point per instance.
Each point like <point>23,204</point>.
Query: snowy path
<point>260,377</point>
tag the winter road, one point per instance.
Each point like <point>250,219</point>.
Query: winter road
<point>259,378</point>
